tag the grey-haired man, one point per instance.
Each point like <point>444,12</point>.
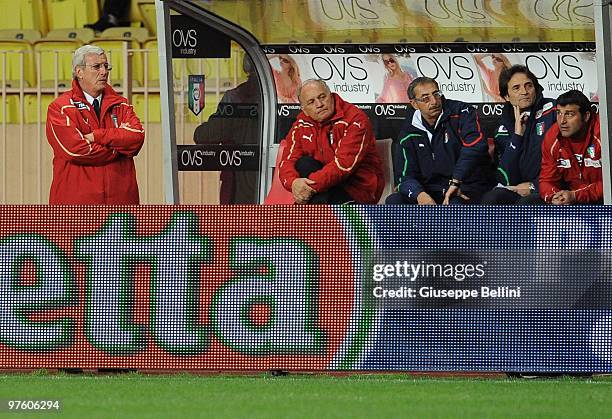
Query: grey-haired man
<point>94,134</point>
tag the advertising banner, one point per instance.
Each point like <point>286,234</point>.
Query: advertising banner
<point>376,77</point>
<point>454,14</point>
<point>466,72</point>
<point>556,14</point>
<point>193,39</point>
<point>347,14</point>
<point>306,288</point>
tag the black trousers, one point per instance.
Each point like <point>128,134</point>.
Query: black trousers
<point>117,8</point>
<point>399,198</point>
<point>335,195</point>
<point>503,196</point>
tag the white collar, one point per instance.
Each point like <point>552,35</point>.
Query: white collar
<point>417,122</point>
<point>90,98</point>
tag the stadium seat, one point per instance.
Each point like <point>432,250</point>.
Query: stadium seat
<point>23,14</point>
<point>127,32</point>
<point>50,51</point>
<point>154,111</point>
<point>30,35</point>
<point>115,53</point>
<point>135,14</point>
<point>213,69</point>
<point>180,67</point>
<point>278,195</point>
<point>71,13</point>
<point>71,34</point>
<point>14,50</point>
<point>31,108</point>
<point>149,15</point>
<point>384,150</point>
<point>12,109</point>
<point>153,62</point>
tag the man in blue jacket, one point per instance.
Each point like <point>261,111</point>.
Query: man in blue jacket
<point>526,117</point>
<point>443,153</point>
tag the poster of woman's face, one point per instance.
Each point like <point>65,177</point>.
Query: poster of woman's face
<point>286,77</point>
<point>469,77</point>
<point>399,73</point>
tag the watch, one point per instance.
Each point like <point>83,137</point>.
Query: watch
<point>453,182</point>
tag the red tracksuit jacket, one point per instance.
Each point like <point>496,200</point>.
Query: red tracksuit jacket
<point>562,170</point>
<point>345,145</point>
<point>101,172</point>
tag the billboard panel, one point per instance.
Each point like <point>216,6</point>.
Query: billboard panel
<point>306,288</point>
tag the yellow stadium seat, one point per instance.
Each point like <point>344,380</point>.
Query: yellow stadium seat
<point>71,34</point>
<point>23,14</point>
<point>139,34</point>
<point>178,65</point>
<point>13,51</point>
<point>12,109</point>
<point>149,15</point>
<point>134,12</point>
<point>71,13</point>
<point>213,69</point>
<point>50,52</point>
<point>30,35</point>
<point>32,106</point>
<point>115,55</point>
<point>153,62</point>
<point>154,111</point>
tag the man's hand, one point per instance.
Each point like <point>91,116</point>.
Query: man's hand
<point>520,119</point>
<point>301,190</point>
<point>89,138</point>
<point>523,189</point>
<point>125,125</point>
<point>564,198</point>
<point>452,191</point>
<point>425,199</point>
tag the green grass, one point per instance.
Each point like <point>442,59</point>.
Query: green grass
<point>375,396</point>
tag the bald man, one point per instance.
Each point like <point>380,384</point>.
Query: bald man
<point>330,155</point>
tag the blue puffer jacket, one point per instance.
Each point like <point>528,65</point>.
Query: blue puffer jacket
<point>456,149</point>
<point>520,158</point>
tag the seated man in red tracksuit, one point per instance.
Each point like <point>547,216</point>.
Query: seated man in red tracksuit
<point>571,154</point>
<point>330,156</point>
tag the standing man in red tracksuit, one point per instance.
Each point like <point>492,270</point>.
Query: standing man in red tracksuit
<point>94,134</point>
<point>330,156</point>
<point>571,154</point>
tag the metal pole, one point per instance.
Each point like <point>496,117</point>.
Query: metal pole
<point>166,93</point>
<point>603,39</point>
<point>250,44</point>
